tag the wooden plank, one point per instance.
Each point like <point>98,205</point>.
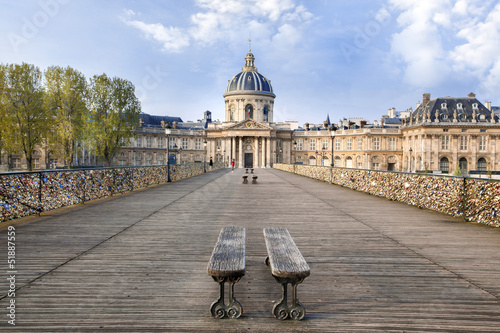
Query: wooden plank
<point>228,256</point>
<point>284,257</point>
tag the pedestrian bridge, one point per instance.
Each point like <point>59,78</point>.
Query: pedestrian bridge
<point>138,261</point>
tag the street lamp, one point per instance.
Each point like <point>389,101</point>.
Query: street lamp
<point>410,164</point>
<point>205,156</point>
<point>295,152</point>
<point>168,131</point>
<point>332,164</point>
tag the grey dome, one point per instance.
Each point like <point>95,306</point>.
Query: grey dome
<point>249,80</point>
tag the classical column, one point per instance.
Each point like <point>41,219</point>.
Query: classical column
<point>268,151</point>
<point>240,163</point>
<point>233,149</point>
<point>256,153</point>
<point>263,161</point>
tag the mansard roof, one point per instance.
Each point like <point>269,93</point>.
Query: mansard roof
<point>452,110</point>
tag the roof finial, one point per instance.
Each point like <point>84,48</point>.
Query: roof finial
<point>249,44</point>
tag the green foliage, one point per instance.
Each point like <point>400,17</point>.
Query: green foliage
<point>66,93</point>
<point>458,171</point>
<point>26,120</point>
<point>114,112</point>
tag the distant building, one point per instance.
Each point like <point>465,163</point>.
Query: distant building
<point>438,136</point>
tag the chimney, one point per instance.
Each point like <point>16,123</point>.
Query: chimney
<point>426,99</point>
<point>141,122</point>
<point>488,105</point>
<point>471,95</point>
<point>307,126</point>
<point>176,125</point>
<point>392,113</point>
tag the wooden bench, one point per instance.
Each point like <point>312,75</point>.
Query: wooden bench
<point>245,179</point>
<point>227,264</point>
<point>254,179</point>
<point>287,266</point>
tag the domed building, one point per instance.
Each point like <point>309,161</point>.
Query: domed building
<point>249,95</point>
<point>248,134</point>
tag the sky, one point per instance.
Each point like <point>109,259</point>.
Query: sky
<point>352,59</point>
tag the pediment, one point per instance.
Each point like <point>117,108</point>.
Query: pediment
<point>249,124</point>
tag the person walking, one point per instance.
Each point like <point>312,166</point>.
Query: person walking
<point>232,164</point>
<point>211,163</point>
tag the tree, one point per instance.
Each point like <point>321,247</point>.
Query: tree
<point>66,93</point>
<point>458,171</point>
<point>3,108</point>
<point>114,114</point>
<point>26,119</point>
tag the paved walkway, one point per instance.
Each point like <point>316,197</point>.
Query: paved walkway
<point>137,262</point>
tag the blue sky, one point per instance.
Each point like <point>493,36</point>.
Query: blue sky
<point>343,58</point>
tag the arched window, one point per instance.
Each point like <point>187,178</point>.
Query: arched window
<point>463,166</point>
<point>312,160</point>
<point>337,161</point>
<point>266,113</point>
<point>348,162</point>
<point>444,165</point>
<point>481,165</point>
<point>249,111</point>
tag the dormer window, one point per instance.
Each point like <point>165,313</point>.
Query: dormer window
<point>443,105</point>
<point>474,106</point>
<point>459,106</point>
<point>482,117</point>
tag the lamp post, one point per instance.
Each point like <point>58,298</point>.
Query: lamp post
<point>295,152</point>
<point>168,131</point>
<point>410,166</point>
<point>332,164</point>
<point>205,156</point>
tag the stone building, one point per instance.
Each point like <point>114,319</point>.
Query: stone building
<point>439,135</point>
<point>447,132</point>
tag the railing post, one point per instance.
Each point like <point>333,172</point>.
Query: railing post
<point>40,179</point>
<point>464,198</point>
<point>84,186</point>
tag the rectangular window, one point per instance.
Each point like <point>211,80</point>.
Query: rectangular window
<point>375,166</point>
<point>172,143</point>
<point>219,142</point>
<point>312,144</point>
<point>463,142</point>
<point>159,141</point>
<point>197,144</point>
<point>360,143</point>
<point>300,144</point>
<point>337,144</point>
<point>149,141</point>
<point>139,141</point>
<point>376,143</point>
<point>185,143</point>
<point>349,144</point>
<point>325,144</point>
<point>482,142</point>
<point>445,142</point>
<point>392,143</point>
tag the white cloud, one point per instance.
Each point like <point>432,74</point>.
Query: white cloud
<point>172,38</point>
<point>230,21</point>
<point>430,42</point>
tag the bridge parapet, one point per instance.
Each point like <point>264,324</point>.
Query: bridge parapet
<point>28,193</point>
<point>473,199</point>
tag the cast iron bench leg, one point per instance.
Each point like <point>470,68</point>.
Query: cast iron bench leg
<point>219,309</point>
<point>282,310</point>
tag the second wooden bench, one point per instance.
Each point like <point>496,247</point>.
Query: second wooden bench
<point>288,266</point>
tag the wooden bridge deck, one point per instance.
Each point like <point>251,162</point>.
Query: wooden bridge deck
<point>137,262</point>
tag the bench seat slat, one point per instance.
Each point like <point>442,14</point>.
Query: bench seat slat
<point>228,256</point>
<point>285,259</point>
